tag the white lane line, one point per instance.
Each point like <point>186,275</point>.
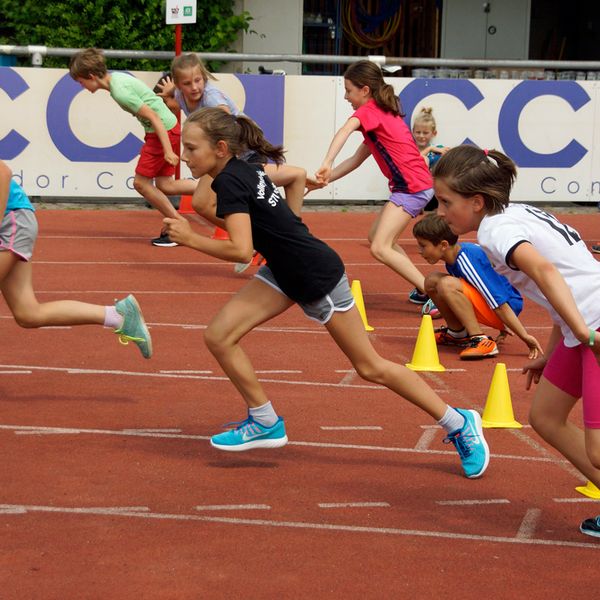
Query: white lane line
<point>472,502</point>
<point>353,505</point>
<point>284,371</point>
<point>20,509</point>
<point>184,372</point>
<point>73,371</point>
<point>233,507</point>
<point>568,500</point>
<point>15,372</point>
<point>529,523</point>
<point>351,428</point>
<point>163,430</point>
<point>427,437</point>
<point>22,429</point>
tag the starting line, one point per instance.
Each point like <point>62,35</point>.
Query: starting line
<point>142,513</point>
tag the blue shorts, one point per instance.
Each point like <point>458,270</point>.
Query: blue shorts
<point>413,204</point>
<point>340,299</point>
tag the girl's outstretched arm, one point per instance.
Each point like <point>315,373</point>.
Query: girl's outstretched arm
<point>238,248</point>
<point>339,139</point>
<point>551,283</point>
<point>507,315</point>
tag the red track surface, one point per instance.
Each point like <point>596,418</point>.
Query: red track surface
<point>95,504</point>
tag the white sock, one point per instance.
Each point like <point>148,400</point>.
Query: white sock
<point>264,415</point>
<point>452,420</point>
<point>457,334</point>
<point>112,318</point>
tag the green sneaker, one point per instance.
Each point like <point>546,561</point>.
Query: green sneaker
<point>134,327</point>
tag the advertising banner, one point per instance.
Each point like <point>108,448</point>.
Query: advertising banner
<point>62,141</point>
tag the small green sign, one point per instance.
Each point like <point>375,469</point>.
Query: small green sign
<point>187,11</point>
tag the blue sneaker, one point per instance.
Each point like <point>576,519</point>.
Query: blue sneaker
<point>429,308</point>
<point>249,434</point>
<point>591,527</point>
<point>134,327</point>
<point>470,444</point>
<point>417,298</point>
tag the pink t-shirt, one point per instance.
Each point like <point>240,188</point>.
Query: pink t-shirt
<point>392,145</point>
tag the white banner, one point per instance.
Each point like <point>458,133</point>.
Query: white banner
<point>60,140</point>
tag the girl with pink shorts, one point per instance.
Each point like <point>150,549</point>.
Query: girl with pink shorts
<point>547,261</point>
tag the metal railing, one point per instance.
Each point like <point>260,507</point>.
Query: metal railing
<point>37,54</point>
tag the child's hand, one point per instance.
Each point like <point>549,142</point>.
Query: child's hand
<point>323,175</point>
<point>535,349</point>
<point>178,229</point>
<point>166,87</point>
<point>439,150</point>
<point>533,369</point>
<point>312,184</point>
<point>171,158</point>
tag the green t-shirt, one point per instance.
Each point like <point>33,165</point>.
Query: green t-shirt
<point>130,94</point>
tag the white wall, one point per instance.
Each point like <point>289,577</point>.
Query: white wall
<point>278,27</point>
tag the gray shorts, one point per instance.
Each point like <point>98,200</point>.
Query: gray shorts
<point>18,232</point>
<point>340,299</point>
<point>413,204</point>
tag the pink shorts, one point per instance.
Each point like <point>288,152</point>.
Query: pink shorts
<point>576,372</point>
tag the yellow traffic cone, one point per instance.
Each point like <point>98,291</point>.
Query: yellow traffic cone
<point>498,411</point>
<point>356,290</point>
<point>589,490</point>
<point>425,356</point>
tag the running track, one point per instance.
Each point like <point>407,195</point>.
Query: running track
<point>110,489</point>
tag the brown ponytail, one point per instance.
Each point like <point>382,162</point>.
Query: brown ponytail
<point>468,170</point>
<point>240,133</point>
<point>367,73</point>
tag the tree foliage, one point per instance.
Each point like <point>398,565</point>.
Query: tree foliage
<point>118,25</point>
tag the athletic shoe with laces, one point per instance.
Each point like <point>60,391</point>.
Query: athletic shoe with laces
<point>470,444</point>
<point>134,327</point>
<point>444,338</point>
<point>596,248</point>
<point>591,527</point>
<point>416,297</point>
<point>429,308</point>
<point>164,241</point>
<point>249,434</point>
<point>480,346</point>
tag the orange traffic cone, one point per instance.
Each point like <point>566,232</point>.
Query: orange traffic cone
<point>185,205</point>
<point>220,234</point>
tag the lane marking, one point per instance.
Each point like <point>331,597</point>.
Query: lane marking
<point>575,499</point>
<point>39,430</point>
<point>77,371</point>
<point>158,430</point>
<point>15,372</point>
<point>529,523</point>
<point>184,372</point>
<point>21,509</point>
<point>353,505</point>
<point>283,371</point>
<point>233,507</point>
<point>472,502</point>
<point>351,428</point>
<point>427,437</point>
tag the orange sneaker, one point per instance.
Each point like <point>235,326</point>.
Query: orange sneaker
<point>480,346</point>
<point>443,338</point>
